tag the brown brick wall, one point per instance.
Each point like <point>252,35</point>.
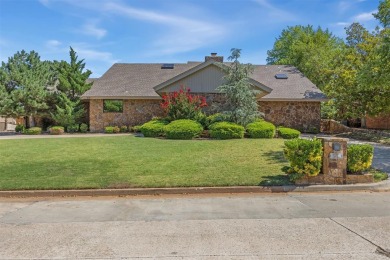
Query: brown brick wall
<point>299,115</point>
<point>135,112</point>
<point>379,122</point>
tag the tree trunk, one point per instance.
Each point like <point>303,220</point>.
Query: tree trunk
<point>5,123</point>
<point>27,121</point>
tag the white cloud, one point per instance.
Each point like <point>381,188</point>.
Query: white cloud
<point>53,44</point>
<point>364,17</point>
<point>90,28</point>
<point>276,13</point>
<point>187,34</point>
<point>91,54</point>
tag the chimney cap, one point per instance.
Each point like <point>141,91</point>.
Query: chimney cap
<point>213,54</point>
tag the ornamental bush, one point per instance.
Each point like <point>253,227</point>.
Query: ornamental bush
<point>56,130</point>
<point>109,129</point>
<point>261,129</point>
<point>288,133</point>
<point>19,128</point>
<point>183,129</point>
<point>182,105</point>
<point>359,157</point>
<point>153,128</point>
<point>218,117</point>
<point>83,128</point>
<point>305,157</point>
<point>72,128</point>
<point>226,130</point>
<point>124,129</point>
<point>33,131</point>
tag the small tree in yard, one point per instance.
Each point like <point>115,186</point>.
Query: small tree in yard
<point>183,105</point>
<point>241,107</point>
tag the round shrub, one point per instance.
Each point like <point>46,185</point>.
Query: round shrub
<point>33,131</point>
<point>124,129</point>
<point>288,133</point>
<point>83,128</point>
<point>153,128</point>
<point>218,117</point>
<point>19,128</point>
<point>109,129</point>
<point>359,157</point>
<point>116,129</point>
<point>226,130</point>
<point>72,128</point>
<point>183,129</point>
<point>56,130</point>
<point>261,129</point>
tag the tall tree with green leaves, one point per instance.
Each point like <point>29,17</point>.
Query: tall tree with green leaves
<point>311,50</point>
<point>374,76</point>
<point>67,112</point>
<point>242,107</point>
<point>72,76</point>
<point>25,80</point>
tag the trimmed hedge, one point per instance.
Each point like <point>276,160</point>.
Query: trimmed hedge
<point>153,128</point>
<point>261,129</point>
<point>56,130</point>
<point>72,128</point>
<point>109,129</point>
<point>218,117</point>
<point>33,131</point>
<point>226,130</point>
<point>305,157</point>
<point>124,129</point>
<point>288,133</point>
<point>359,157</point>
<point>183,129</point>
<point>83,128</point>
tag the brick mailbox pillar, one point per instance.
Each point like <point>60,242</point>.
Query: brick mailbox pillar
<point>334,164</point>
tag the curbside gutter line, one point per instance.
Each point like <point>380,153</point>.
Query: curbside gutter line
<point>383,186</point>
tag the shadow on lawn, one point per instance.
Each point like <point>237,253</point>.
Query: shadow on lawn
<point>275,156</point>
<point>275,180</point>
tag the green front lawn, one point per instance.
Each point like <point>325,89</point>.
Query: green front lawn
<point>128,161</point>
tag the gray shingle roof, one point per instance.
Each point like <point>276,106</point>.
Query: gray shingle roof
<point>136,80</point>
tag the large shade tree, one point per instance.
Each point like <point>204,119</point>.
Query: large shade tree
<point>24,85</point>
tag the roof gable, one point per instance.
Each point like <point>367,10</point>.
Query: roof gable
<point>203,66</point>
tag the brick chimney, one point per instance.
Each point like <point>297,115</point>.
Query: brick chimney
<point>214,56</point>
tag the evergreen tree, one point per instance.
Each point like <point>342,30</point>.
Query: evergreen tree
<point>25,79</point>
<point>242,107</point>
<point>72,77</point>
<point>68,112</point>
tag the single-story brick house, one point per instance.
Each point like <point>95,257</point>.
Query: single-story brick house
<point>286,96</point>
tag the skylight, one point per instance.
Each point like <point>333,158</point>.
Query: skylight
<point>167,66</point>
<point>281,76</point>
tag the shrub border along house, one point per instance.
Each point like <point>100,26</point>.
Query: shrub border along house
<point>183,129</point>
<point>261,129</point>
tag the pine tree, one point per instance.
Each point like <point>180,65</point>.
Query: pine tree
<point>72,77</point>
<point>25,79</point>
<point>67,112</point>
<point>242,107</point>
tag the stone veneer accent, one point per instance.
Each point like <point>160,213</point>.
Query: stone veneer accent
<point>135,112</point>
<point>304,116</point>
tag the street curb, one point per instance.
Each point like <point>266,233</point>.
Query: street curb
<point>383,186</point>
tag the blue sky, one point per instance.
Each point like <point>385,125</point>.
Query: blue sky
<point>107,31</point>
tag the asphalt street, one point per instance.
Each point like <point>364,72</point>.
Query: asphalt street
<point>246,226</point>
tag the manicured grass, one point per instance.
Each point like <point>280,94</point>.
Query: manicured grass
<point>128,161</point>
